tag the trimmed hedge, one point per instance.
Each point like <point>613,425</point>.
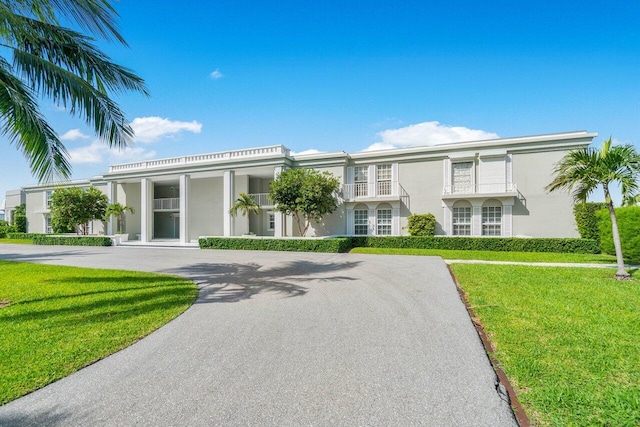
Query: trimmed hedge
<point>344,244</point>
<point>23,235</point>
<point>340,244</point>
<point>20,222</point>
<point>46,239</point>
<point>586,219</point>
<point>502,244</point>
<point>628,219</point>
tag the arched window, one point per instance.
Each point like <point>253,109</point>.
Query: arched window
<point>383,219</point>
<point>461,218</point>
<point>492,218</point>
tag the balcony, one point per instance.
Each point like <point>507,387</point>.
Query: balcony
<point>480,190</point>
<point>262,199</point>
<point>166,204</point>
<point>383,190</point>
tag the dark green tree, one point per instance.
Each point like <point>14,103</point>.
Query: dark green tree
<point>75,207</point>
<point>48,60</point>
<point>306,194</point>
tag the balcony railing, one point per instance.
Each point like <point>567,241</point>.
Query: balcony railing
<point>166,204</point>
<point>382,189</point>
<point>262,199</point>
<point>494,188</point>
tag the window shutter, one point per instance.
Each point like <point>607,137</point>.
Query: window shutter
<point>448,229</point>
<point>476,229</point>
<point>349,175</point>
<point>395,222</point>
<point>492,175</point>
<point>372,222</point>
<point>509,172</point>
<point>394,179</point>
<point>446,179</point>
<point>507,221</point>
<point>350,222</point>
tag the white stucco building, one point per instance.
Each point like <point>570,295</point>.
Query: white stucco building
<point>479,188</point>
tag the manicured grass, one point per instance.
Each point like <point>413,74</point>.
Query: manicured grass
<point>568,339</point>
<point>496,256</point>
<point>55,320</point>
<point>17,241</point>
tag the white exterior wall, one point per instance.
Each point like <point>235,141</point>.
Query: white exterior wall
<point>423,182</point>
<point>205,208</point>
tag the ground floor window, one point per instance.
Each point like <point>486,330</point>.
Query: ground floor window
<point>462,221</point>
<point>492,221</point>
<point>384,222</point>
<point>361,222</point>
<point>47,225</point>
<point>272,221</point>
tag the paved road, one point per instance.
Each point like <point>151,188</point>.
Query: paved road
<point>282,339</point>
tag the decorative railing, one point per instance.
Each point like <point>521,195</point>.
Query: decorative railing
<point>365,190</point>
<point>262,199</point>
<point>170,203</point>
<point>203,158</point>
<point>502,187</point>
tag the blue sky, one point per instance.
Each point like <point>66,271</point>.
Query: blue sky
<point>345,75</point>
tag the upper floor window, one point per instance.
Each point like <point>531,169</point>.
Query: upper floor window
<point>383,177</point>
<point>462,177</point>
<point>48,195</point>
<point>360,180</point>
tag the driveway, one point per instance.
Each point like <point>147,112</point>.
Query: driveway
<point>281,339</point>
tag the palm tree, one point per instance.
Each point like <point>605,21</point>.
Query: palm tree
<point>117,210</point>
<point>63,65</point>
<point>245,203</point>
<point>583,171</point>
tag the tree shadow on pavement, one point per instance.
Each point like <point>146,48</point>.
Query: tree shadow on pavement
<point>236,282</point>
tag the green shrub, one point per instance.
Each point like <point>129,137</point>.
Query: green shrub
<point>5,228</point>
<point>421,224</point>
<point>17,235</point>
<point>628,219</point>
<point>48,239</point>
<point>335,245</point>
<point>586,219</point>
<point>20,222</point>
<point>479,243</point>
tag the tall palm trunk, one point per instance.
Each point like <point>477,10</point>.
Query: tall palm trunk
<point>621,274</point>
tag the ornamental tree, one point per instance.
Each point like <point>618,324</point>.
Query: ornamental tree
<point>72,208</point>
<point>306,194</point>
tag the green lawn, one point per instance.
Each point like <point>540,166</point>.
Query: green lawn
<point>55,320</point>
<point>568,338</point>
<point>17,241</point>
<point>496,256</point>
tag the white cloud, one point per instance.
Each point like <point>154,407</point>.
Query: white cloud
<point>151,129</point>
<point>427,134</point>
<point>99,152</point>
<point>309,151</point>
<point>73,134</point>
<point>216,74</point>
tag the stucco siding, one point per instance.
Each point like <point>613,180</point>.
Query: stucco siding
<point>423,182</point>
<point>205,208</point>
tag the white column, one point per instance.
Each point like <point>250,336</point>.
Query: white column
<point>373,231</point>
<point>185,181</point>
<point>228,195</point>
<point>278,228</point>
<point>146,209</point>
<point>111,194</point>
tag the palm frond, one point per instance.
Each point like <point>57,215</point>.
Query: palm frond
<point>22,123</point>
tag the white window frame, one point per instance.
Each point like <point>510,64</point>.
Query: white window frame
<point>463,188</point>
<point>48,228</point>
<point>457,225</point>
<point>271,221</point>
<point>384,176</point>
<point>492,220</point>
<point>364,221</point>
<point>384,224</point>
<point>360,181</point>
<point>47,199</point>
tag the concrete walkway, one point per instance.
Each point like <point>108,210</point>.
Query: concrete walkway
<point>281,339</point>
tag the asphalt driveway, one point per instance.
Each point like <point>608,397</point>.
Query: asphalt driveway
<point>281,339</point>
